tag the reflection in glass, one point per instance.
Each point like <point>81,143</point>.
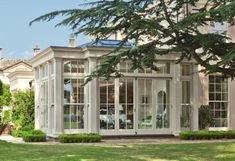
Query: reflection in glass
<point>74,66</point>
<point>107,110</point>
<point>73,117</point>
<point>126,104</point>
<point>67,66</point>
<point>145,104</point>
<point>163,103</point>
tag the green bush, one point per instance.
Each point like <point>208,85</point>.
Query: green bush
<point>7,116</point>
<point>205,116</point>
<point>79,138</point>
<point>206,135</point>
<point>24,131</point>
<point>34,137</point>
<point>23,109</point>
<point>19,133</point>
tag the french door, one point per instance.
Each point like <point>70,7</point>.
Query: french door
<point>134,106</point>
<point>153,106</point>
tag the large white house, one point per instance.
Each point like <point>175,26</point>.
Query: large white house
<point>140,103</point>
<point>143,102</point>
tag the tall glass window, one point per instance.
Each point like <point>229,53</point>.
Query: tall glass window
<point>126,103</point>
<point>218,100</point>
<point>185,118</point>
<point>145,104</point>
<point>162,93</point>
<point>73,104</point>
<point>107,108</point>
<point>44,99</point>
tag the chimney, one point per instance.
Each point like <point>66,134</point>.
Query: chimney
<point>72,42</point>
<point>36,50</point>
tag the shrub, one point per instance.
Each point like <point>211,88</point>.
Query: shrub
<point>206,135</point>
<point>25,131</point>
<point>79,138</point>
<point>205,116</point>
<point>34,137</point>
<point>7,116</point>
<point>23,109</point>
<point>19,133</point>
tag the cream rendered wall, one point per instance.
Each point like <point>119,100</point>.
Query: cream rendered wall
<point>20,83</point>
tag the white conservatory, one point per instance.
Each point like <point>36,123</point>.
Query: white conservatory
<point>140,103</point>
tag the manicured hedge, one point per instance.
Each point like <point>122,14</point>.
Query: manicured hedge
<point>30,135</point>
<point>34,138</point>
<point>206,135</point>
<point>79,138</point>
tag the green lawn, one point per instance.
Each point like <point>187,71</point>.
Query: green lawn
<point>72,152</point>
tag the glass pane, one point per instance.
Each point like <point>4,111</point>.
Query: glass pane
<point>103,117</point>
<point>162,92</point>
<point>122,67</point>
<point>164,68</point>
<point>67,66</point>
<point>186,70</point>
<point>73,117</point>
<point>122,91</point>
<point>126,104</point>
<point>103,91</point>
<point>130,92</point>
<point>74,66</point>
<point>145,103</point>
<point>81,67</point>
<point>111,94</point>
<point>66,117</point>
<point>74,92</point>
<point>80,116</point>
<point>80,91</point>
<point>111,117</point>
<point>185,119</point>
<point>67,90</point>
<point>218,87</point>
<point>224,87</point>
<point>129,70</point>
<point>186,92</point>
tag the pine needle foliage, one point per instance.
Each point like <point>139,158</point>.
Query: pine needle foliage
<point>155,23</point>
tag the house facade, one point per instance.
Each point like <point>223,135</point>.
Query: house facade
<point>20,75</point>
<point>142,102</point>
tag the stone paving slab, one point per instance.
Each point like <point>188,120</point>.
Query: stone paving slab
<point>11,139</point>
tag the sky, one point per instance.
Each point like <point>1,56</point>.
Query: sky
<point>18,39</point>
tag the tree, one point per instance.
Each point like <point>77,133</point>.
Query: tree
<point>155,23</point>
<point>5,95</point>
<point>23,109</point>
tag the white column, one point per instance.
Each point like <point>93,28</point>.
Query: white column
<point>59,120</point>
<point>37,104</point>
<point>49,130</point>
<point>93,109</point>
<point>176,100</point>
<point>196,100</point>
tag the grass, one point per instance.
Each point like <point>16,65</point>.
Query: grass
<point>73,152</point>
